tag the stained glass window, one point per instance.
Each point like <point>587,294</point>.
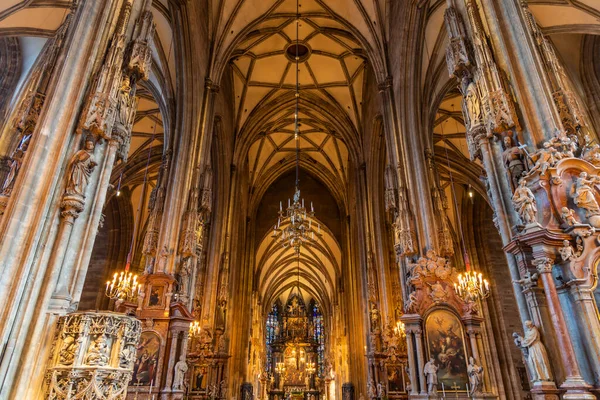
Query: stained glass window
<point>319,335</point>
<point>272,322</point>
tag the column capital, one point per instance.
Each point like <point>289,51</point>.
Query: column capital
<point>543,264</point>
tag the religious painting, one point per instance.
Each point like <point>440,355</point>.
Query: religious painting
<point>156,296</point>
<point>146,362</point>
<point>199,378</point>
<point>445,344</point>
<point>394,377</point>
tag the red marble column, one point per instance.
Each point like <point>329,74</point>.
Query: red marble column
<point>576,387</point>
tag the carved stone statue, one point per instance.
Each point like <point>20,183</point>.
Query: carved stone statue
<point>67,351</point>
<point>375,317</point>
<point>567,252</point>
<point>14,163</point>
<point>583,194</point>
<point>475,373</point>
<point>545,158</point>
<point>81,167</point>
<point>529,280</point>
<point>180,369</point>
<point>98,352</point>
<point>514,161</point>
<point>524,203</point>
<point>127,357</point>
<point>430,371</point>
<point>472,106</point>
<point>568,216</point>
<point>537,358</point>
<point>411,302</point>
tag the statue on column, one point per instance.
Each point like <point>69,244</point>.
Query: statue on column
<point>583,194</point>
<point>475,373</point>
<point>535,353</point>
<point>514,161</point>
<point>14,163</point>
<point>430,371</point>
<point>80,169</point>
<point>179,375</point>
<point>544,158</point>
<point>380,390</point>
<point>375,317</point>
<point>472,106</point>
<point>524,203</point>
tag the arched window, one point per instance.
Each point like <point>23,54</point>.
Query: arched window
<point>319,335</point>
<point>272,332</point>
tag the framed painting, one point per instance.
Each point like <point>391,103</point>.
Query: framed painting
<point>146,361</point>
<point>395,379</point>
<point>199,380</point>
<point>446,345</point>
<point>156,297</point>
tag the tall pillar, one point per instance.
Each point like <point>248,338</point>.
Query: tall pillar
<point>31,212</point>
<point>574,384</point>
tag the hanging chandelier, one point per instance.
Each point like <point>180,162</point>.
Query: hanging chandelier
<point>294,225</point>
<point>471,285</point>
<point>124,286</point>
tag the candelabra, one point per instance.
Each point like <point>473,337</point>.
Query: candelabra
<point>124,286</point>
<point>195,329</point>
<point>311,367</point>
<point>400,329</point>
<point>471,286</point>
<point>280,367</point>
<point>294,225</point>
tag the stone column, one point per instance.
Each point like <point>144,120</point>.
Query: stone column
<point>420,360</point>
<point>30,216</point>
<point>172,360</point>
<point>586,309</point>
<point>574,384</point>
<point>412,363</point>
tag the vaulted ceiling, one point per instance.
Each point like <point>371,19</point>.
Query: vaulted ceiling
<point>338,38</point>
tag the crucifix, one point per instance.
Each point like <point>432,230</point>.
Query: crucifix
<point>455,387</point>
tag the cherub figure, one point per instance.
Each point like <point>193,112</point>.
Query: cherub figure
<point>568,216</point>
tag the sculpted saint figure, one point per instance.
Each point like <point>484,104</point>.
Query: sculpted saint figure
<point>583,194</point>
<point>375,317</point>
<point>430,371</point>
<point>545,158</point>
<point>524,203</point>
<point>98,352</point>
<point>14,163</point>
<point>537,358</point>
<point>472,105</point>
<point>513,159</point>
<point>81,167</point>
<point>475,373</point>
<point>180,370</point>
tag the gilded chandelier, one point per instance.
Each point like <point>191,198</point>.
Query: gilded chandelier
<point>471,286</point>
<point>124,286</point>
<point>294,225</point>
